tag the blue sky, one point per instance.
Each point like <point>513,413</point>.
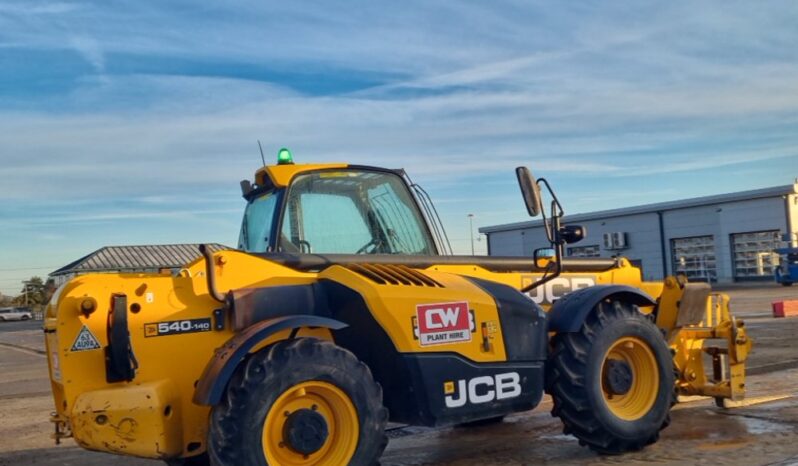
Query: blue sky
<point>128,122</point>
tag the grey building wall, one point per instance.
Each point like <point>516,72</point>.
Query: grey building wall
<point>718,218</point>
<point>792,215</point>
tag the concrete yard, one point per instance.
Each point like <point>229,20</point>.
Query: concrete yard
<point>763,433</point>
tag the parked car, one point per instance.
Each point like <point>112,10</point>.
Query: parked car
<point>15,313</point>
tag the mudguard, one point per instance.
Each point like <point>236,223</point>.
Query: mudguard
<point>220,369</point>
<point>569,312</point>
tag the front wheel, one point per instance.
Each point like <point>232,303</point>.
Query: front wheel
<point>612,382</point>
<point>299,402</point>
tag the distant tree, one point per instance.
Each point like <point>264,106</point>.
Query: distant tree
<point>34,292</point>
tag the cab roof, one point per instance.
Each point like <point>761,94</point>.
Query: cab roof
<point>281,175</point>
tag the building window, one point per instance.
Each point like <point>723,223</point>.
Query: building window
<point>753,254</point>
<point>584,251</point>
<point>695,257</point>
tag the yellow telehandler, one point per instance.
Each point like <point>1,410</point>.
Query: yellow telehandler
<point>339,313</point>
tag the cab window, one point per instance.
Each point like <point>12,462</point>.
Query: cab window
<point>352,212</point>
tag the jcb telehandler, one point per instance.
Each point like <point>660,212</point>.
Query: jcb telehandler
<point>338,313</point>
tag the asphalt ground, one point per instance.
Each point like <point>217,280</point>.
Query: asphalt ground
<point>764,433</point>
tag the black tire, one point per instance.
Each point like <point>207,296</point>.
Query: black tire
<point>786,283</point>
<point>574,380</point>
<point>25,317</point>
<point>236,428</point>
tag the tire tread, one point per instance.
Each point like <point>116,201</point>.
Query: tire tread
<point>565,381</point>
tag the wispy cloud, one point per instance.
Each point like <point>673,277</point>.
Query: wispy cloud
<point>131,111</point>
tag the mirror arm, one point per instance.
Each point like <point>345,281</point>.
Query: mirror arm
<point>557,244</point>
<point>552,227</point>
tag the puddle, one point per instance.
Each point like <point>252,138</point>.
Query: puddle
<point>757,426</point>
<point>567,438</point>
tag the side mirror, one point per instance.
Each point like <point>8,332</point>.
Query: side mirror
<point>246,187</point>
<point>530,190</point>
<point>543,257</point>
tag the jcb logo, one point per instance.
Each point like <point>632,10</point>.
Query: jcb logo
<point>557,288</point>
<point>482,389</point>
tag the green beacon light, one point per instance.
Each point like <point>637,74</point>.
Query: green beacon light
<point>284,157</point>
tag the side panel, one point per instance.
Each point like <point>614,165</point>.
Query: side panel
<point>427,319</point>
<point>523,322</point>
<point>416,384</point>
<point>453,390</point>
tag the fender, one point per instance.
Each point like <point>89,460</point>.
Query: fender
<point>220,369</point>
<point>569,312</point>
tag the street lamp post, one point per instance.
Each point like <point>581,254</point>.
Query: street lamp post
<point>471,231</point>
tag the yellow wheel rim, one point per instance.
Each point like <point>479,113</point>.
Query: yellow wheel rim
<point>642,392</point>
<point>333,405</point>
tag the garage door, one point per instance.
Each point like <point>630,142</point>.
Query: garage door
<point>695,257</point>
<point>753,254</point>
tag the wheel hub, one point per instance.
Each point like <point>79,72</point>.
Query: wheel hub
<point>617,377</point>
<point>305,431</point>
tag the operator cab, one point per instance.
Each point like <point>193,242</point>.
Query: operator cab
<point>332,209</point>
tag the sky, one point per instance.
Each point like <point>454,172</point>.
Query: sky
<point>132,122</point>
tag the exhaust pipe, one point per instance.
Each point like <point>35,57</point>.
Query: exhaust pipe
<point>209,273</point>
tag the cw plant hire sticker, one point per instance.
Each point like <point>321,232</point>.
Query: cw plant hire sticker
<point>437,324</point>
<point>85,341</point>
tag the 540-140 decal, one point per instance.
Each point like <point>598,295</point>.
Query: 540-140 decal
<point>175,327</point>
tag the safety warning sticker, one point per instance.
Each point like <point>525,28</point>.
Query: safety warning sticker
<point>85,341</point>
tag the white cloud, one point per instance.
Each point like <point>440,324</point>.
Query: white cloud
<point>464,90</point>
<point>90,49</point>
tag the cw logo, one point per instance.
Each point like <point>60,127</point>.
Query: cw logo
<point>441,318</point>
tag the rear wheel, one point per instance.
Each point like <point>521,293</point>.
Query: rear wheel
<point>612,382</point>
<point>25,317</point>
<point>299,402</point>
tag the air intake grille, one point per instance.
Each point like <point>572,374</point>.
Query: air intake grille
<point>393,275</point>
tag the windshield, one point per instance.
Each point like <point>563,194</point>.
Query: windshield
<point>257,226</point>
<point>353,212</point>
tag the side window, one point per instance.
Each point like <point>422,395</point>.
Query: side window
<point>324,223</point>
<point>256,227</point>
<point>401,224</point>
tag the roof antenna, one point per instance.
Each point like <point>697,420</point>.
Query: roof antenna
<point>261,153</point>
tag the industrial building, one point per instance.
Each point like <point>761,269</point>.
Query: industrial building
<point>723,238</point>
